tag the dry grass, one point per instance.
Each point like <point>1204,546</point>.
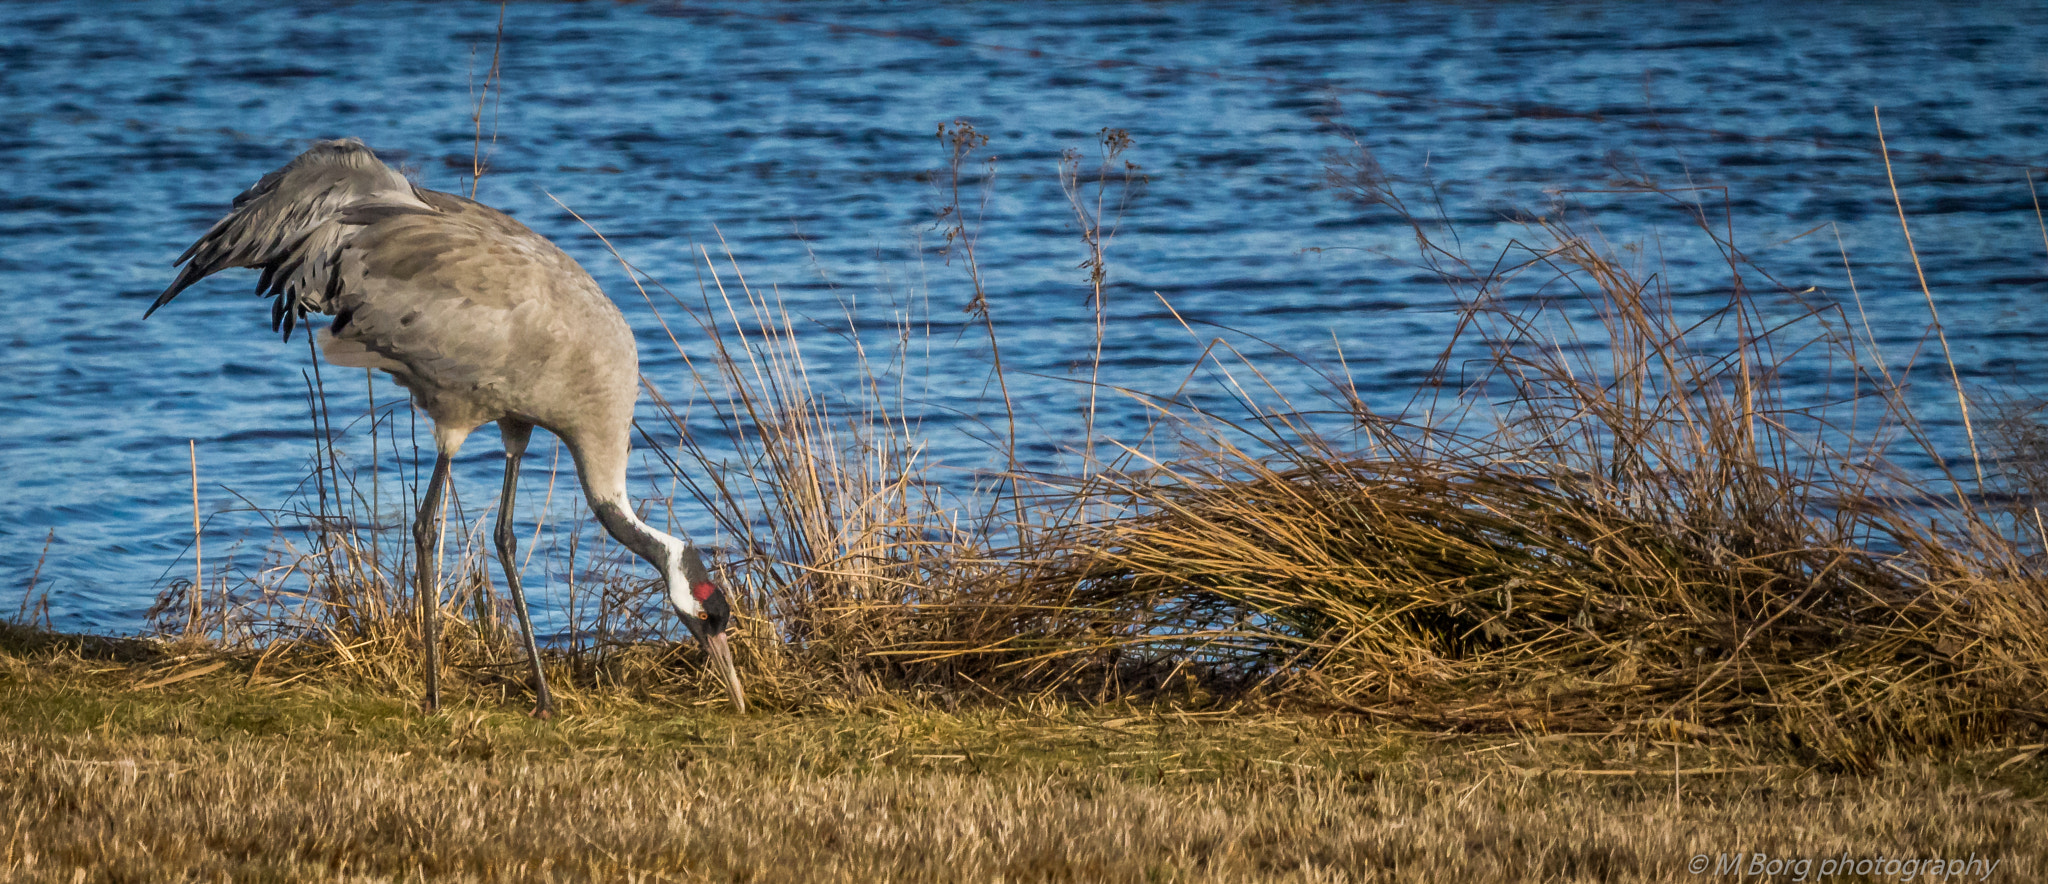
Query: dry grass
<point>1620,517</point>
<point>1646,534</point>
<point>115,774</point>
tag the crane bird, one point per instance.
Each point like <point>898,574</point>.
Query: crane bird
<point>481,320</point>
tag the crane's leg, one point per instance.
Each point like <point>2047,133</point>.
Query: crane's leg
<point>426,534</point>
<point>516,435</point>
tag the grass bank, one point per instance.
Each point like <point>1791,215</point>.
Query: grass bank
<point>127,761</point>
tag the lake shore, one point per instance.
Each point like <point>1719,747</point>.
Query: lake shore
<point>132,760</point>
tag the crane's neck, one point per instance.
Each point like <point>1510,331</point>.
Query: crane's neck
<point>656,546</point>
<point>602,469</point>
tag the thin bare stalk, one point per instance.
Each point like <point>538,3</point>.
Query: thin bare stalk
<point>1962,400</point>
<point>198,554</point>
<point>476,118</point>
<point>962,140</point>
<point>1095,236</point>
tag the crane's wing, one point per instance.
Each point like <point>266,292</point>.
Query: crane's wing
<point>463,300</point>
<point>293,222</point>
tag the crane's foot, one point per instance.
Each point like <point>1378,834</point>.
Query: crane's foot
<point>542,713</point>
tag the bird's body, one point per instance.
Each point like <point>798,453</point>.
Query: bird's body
<point>481,319</point>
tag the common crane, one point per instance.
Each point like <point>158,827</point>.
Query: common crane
<point>481,320</point>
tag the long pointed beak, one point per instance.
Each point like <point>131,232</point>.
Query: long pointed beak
<point>721,661</point>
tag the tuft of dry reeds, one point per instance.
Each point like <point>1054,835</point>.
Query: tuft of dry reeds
<point>1646,531</point>
<point>839,534</point>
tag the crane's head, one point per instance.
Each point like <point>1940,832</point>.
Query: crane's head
<point>705,611</point>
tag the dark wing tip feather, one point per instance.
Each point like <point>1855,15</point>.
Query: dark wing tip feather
<point>186,277</point>
<point>247,237</point>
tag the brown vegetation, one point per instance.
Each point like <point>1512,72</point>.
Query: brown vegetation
<point>1606,515</point>
<point>1616,517</point>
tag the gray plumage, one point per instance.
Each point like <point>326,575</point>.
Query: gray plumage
<point>482,320</point>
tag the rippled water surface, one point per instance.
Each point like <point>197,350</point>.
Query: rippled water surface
<point>801,138</point>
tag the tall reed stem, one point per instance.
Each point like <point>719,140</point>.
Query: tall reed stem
<point>198,554</point>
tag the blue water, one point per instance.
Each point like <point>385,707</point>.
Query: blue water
<point>801,137</point>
